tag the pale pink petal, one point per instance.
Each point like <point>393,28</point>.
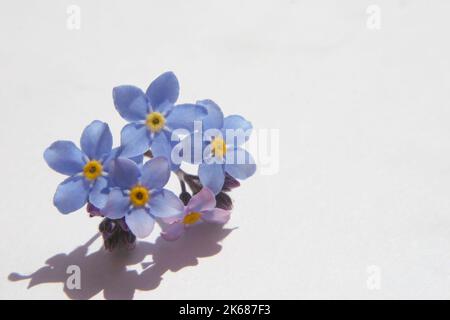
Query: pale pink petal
<point>174,231</point>
<point>216,215</point>
<point>173,219</point>
<point>202,201</point>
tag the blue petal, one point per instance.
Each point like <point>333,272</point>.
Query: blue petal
<point>192,148</point>
<point>155,173</point>
<point>130,102</point>
<point>117,152</point>
<point>71,195</point>
<point>165,108</point>
<point>99,193</point>
<point>138,159</point>
<point>124,173</point>
<point>164,88</point>
<point>114,154</point>
<point>236,122</point>
<point>140,223</point>
<point>239,128</point>
<point>184,115</point>
<point>165,204</point>
<point>135,140</point>
<point>162,147</point>
<point>240,164</point>
<point>214,119</point>
<point>65,157</point>
<point>212,176</point>
<point>96,140</point>
<point>117,205</point>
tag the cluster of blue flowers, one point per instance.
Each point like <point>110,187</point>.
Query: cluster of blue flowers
<point>117,184</point>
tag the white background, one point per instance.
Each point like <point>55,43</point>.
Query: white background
<point>363,116</point>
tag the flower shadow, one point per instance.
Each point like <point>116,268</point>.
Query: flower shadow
<point>108,272</point>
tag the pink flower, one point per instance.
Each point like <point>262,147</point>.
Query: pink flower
<point>201,207</point>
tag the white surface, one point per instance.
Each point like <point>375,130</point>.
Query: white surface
<point>364,154</point>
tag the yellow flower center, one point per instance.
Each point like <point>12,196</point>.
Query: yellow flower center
<point>192,218</point>
<point>155,121</point>
<point>139,196</point>
<point>218,147</point>
<point>92,170</point>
